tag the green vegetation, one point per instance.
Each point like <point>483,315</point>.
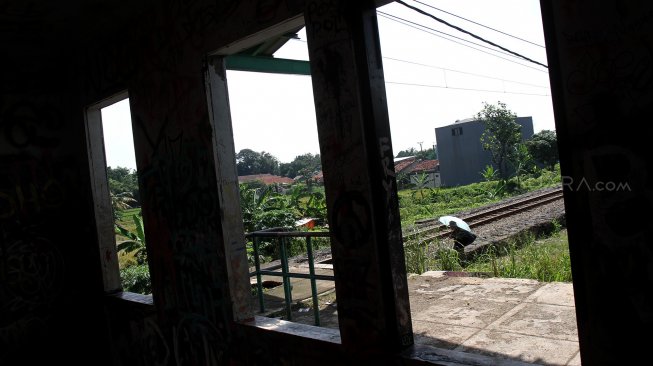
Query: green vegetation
<point>545,259</point>
<point>501,136</point>
<point>428,154</point>
<point>123,189</point>
<point>543,147</point>
<point>250,162</point>
<point>135,244</point>
<point>136,278</point>
<point>132,254</point>
<point>416,204</point>
<point>305,165</point>
<point>524,257</point>
<point>266,207</point>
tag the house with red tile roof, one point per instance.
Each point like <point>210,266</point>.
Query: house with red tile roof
<point>416,169</point>
<point>403,165</point>
<point>266,179</point>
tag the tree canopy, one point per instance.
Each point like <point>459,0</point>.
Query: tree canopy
<point>122,180</point>
<point>304,165</point>
<point>428,154</point>
<point>408,152</point>
<point>543,147</point>
<point>250,162</point>
<point>501,136</point>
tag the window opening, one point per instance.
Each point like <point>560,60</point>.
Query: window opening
<point>281,186</point>
<point>439,79</point>
<point>116,192</point>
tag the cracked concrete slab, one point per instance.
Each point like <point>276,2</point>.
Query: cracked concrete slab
<point>513,319</point>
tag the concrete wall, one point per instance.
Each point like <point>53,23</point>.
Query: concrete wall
<point>462,156</point>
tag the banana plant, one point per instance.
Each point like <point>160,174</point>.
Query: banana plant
<point>120,202</point>
<point>136,240</point>
<point>490,174</point>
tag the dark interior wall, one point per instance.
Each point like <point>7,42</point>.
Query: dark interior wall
<point>160,58</point>
<point>51,290</point>
<point>601,66</point>
<point>50,281</point>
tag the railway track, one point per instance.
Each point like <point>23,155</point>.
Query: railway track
<point>432,229</point>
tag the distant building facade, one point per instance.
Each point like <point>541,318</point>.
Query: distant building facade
<point>461,154</point>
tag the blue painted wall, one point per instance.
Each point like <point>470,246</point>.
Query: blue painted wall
<point>461,154</point>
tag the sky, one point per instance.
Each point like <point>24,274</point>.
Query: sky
<point>430,81</point>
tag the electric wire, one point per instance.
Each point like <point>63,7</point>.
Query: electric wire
<point>454,70</point>
<point>416,25</point>
<point>406,23</point>
<point>466,89</point>
<point>465,72</point>
<point>479,24</point>
<point>468,32</point>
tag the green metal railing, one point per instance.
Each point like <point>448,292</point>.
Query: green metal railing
<point>280,236</point>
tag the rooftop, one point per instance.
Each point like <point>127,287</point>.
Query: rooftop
<point>265,179</point>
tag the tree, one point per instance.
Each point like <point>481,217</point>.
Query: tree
<point>428,154</point>
<point>305,164</point>
<point>263,209</point>
<point>120,202</point>
<point>522,161</point>
<point>123,180</point>
<point>408,152</point>
<point>250,162</point>
<point>543,147</point>
<point>501,135</point>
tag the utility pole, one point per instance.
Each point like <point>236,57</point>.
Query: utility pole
<point>420,145</point>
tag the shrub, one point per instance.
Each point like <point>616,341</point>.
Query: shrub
<point>136,279</point>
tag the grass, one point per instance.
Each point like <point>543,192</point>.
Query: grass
<point>523,257</point>
<point>126,218</point>
<point>544,259</point>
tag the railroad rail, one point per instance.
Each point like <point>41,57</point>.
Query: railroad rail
<point>431,228</point>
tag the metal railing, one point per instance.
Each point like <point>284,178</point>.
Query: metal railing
<point>281,237</point>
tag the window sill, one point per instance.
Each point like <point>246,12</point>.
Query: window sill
<point>131,299</point>
<point>295,329</point>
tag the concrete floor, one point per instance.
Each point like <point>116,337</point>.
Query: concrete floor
<point>482,321</point>
<point>518,319</point>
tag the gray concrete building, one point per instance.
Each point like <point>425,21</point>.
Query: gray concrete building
<point>461,154</point>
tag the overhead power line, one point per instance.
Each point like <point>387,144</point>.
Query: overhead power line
<point>465,72</point>
<point>453,70</point>
<point>468,33</point>
<point>418,26</point>
<point>431,31</point>
<point>479,24</point>
<point>467,89</point>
